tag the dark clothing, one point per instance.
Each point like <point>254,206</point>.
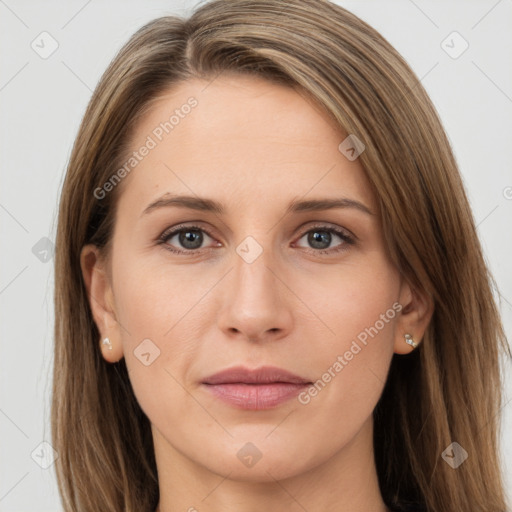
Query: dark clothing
<point>411,507</point>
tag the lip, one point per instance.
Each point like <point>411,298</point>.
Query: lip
<point>258,389</point>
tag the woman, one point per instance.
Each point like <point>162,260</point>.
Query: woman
<point>269,288</point>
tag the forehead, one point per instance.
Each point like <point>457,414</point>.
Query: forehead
<point>238,138</point>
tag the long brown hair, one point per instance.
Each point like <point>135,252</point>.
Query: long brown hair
<point>449,389</point>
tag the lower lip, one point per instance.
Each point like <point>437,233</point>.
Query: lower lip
<point>256,397</point>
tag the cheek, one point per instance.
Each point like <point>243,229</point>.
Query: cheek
<point>151,308</point>
<point>348,300</point>
<point>336,312</point>
<point>352,350</point>
<point>154,318</point>
<point>152,297</point>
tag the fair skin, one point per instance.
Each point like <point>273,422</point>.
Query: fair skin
<point>253,147</point>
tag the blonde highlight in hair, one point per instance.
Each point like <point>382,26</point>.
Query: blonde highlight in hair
<point>106,457</point>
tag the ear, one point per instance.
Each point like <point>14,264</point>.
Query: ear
<point>101,300</point>
<point>415,315</point>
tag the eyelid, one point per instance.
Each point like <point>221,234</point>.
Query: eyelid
<point>328,225</point>
<point>185,225</point>
<point>345,234</point>
<point>198,225</point>
<point>174,230</point>
<point>348,239</point>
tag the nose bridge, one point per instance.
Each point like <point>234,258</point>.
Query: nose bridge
<point>254,303</point>
<point>254,279</point>
<point>252,266</point>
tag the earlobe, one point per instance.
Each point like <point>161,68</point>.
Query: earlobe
<point>415,315</point>
<point>111,351</point>
<point>101,302</point>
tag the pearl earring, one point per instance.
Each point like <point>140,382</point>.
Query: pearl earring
<point>410,341</point>
<point>107,342</point>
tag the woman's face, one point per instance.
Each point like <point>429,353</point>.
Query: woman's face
<point>269,277</point>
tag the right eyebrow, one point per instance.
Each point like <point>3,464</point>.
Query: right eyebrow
<point>210,205</point>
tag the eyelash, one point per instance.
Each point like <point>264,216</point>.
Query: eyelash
<point>168,234</point>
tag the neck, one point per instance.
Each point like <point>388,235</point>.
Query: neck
<point>345,481</point>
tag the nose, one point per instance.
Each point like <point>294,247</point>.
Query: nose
<point>256,301</point>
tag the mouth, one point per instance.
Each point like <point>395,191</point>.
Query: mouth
<point>262,388</point>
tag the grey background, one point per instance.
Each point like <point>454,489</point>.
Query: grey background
<point>42,102</point>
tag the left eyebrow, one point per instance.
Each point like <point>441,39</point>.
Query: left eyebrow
<point>314,205</point>
<point>210,205</point>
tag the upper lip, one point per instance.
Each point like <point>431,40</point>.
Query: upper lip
<point>262,375</point>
